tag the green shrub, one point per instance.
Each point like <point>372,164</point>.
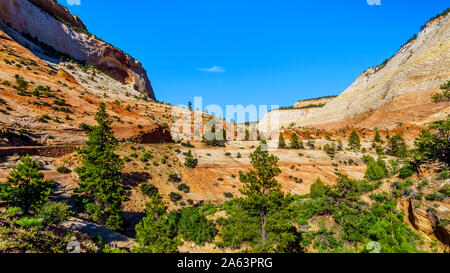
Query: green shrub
<point>407,170</point>
<point>187,145</point>
<point>194,226</point>
<point>189,161</point>
<point>433,196</point>
<point>54,213</point>
<point>175,197</point>
<point>444,175</point>
<point>26,187</point>
<point>318,189</point>
<point>184,188</point>
<point>174,178</point>
<point>149,189</point>
<point>22,84</point>
<point>228,195</point>
<point>208,209</point>
<point>12,211</point>
<point>29,222</point>
<point>376,170</point>
<point>63,169</point>
<point>145,157</point>
<point>423,184</point>
<point>445,190</point>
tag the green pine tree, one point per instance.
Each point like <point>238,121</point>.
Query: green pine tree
<point>100,174</point>
<point>264,218</point>
<point>397,146</point>
<point>377,138</point>
<point>445,95</point>
<point>434,144</point>
<point>354,141</point>
<point>26,187</point>
<point>189,160</point>
<point>318,189</point>
<point>260,186</point>
<point>157,231</point>
<point>295,144</point>
<point>281,142</point>
<point>376,170</point>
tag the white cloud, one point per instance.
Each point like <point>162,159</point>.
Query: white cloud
<point>214,69</point>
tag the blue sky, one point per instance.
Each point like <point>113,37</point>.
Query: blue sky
<point>255,52</point>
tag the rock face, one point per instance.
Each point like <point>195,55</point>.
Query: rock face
<point>276,119</point>
<point>54,8</point>
<point>398,91</point>
<point>40,19</point>
<point>428,223</point>
<point>307,103</point>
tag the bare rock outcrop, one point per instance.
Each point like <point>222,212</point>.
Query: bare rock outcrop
<point>53,25</point>
<point>428,223</point>
<point>54,8</point>
<point>402,84</point>
<point>313,102</point>
<point>399,90</point>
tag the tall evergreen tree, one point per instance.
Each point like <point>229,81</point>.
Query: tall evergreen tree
<point>377,138</point>
<point>354,141</point>
<point>434,144</point>
<point>26,187</point>
<point>281,142</point>
<point>100,174</point>
<point>260,185</point>
<point>157,231</point>
<point>295,144</point>
<point>397,146</point>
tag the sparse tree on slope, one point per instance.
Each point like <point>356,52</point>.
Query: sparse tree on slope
<point>295,144</point>
<point>445,95</point>
<point>377,138</point>
<point>397,146</point>
<point>189,161</point>
<point>281,142</point>
<point>260,185</point>
<point>157,231</point>
<point>354,141</point>
<point>100,174</point>
<point>26,187</point>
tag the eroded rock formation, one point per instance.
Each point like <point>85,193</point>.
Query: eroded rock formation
<point>400,89</point>
<point>49,22</point>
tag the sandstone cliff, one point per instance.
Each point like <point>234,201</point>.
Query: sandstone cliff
<point>54,8</point>
<point>53,25</point>
<point>313,102</point>
<point>398,91</point>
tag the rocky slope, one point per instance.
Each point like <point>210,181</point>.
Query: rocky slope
<point>398,91</point>
<point>51,24</point>
<point>313,102</point>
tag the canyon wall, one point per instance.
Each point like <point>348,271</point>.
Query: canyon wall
<point>399,90</point>
<point>40,19</point>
